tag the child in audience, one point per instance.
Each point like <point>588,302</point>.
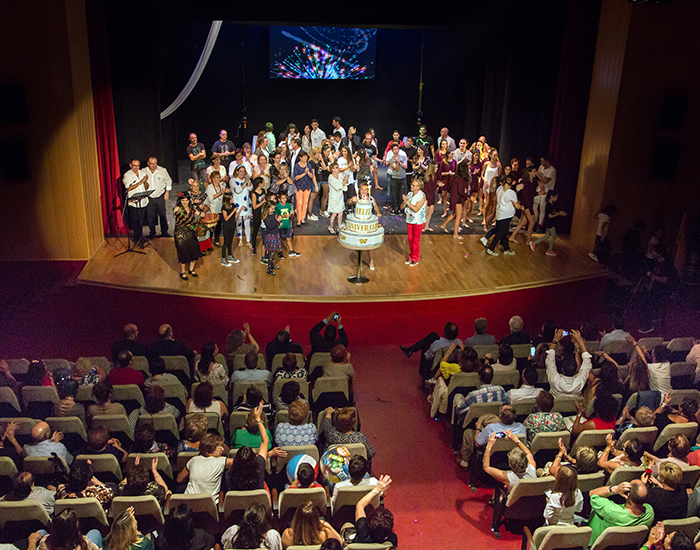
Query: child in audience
<point>359,475</point>
<point>565,500</point>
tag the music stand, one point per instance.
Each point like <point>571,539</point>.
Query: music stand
<point>135,197</point>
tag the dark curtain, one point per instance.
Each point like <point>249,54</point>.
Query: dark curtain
<point>106,135</point>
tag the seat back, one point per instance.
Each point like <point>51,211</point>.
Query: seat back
<point>545,446</point>
<point>39,401</point>
<point>646,436</point>
<point>204,510</point>
<point>277,388</point>
<point>291,499</point>
<point>625,473</point>
<point>648,343</point>
<point>622,538</point>
<point>23,433</point>
<point>8,470</point>
<point>506,379</point>
<point>100,361</point>
<point>524,408</point>
<point>682,375</point>
<point>236,502</point>
<point>176,395</point>
<point>688,429</point>
<point>590,410</point>
<point>106,467</point>
<point>89,512</point>
<point>346,498</point>
<point>354,448</point>
<point>566,406</point>
<point>128,395</point>
<point>461,382</point>
<point>556,537</point>
<point>214,421</point>
<point>139,362</point>
<point>277,361</point>
<point>9,404</point>
<point>237,420</point>
<point>20,518</point>
<point>483,350</point>
<point>18,366</point>
<point>74,434</point>
<point>164,468</point>
<point>588,482</point>
<point>619,350</point>
<point>165,426</point>
<point>526,499</point>
<point>677,396</point>
<point>310,450</point>
<point>218,358</point>
<point>146,510</point>
<point>52,365</point>
<point>679,348</point>
<point>183,458</point>
<point>239,362</point>
<point>477,409</point>
<point>690,476</point>
<point>178,365</point>
<point>592,438</point>
<point>331,384</point>
<point>318,360</point>
<point>117,424</point>
<point>43,467</point>
<point>688,525</point>
<point>239,389</point>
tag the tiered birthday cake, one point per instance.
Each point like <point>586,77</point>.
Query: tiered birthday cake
<point>362,228</point>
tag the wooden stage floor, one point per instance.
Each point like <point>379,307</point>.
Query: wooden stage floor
<point>448,269</point>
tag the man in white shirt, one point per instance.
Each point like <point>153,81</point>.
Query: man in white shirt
<point>527,390</point>
<point>397,161</point>
<point>160,181</point>
<point>569,383</point>
<point>547,175</point>
<point>337,127</point>
<point>462,154</point>
<point>136,181</point>
<point>444,134</point>
<point>317,135</point>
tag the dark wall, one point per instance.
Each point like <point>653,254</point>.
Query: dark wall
<point>492,73</point>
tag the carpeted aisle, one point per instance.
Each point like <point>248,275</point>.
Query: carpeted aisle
<point>430,498</point>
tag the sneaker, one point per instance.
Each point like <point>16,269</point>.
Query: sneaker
<point>413,264</point>
<point>491,252</point>
<point>270,272</point>
<point>295,254</point>
<point>263,261</point>
<point>224,262</point>
<point>550,253</point>
<point>509,253</point>
<point>325,214</point>
<point>313,218</point>
<point>406,351</point>
<point>407,262</point>
<point>230,258</point>
<point>275,267</point>
<point>280,255</point>
<point>483,241</point>
<point>532,246</point>
<point>234,260</point>
<point>464,464</point>
<point>593,257</point>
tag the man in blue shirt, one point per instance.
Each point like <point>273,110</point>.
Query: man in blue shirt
<point>43,443</point>
<point>429,345</point>
<point>617,335</point>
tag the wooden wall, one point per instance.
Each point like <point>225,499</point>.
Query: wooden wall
<point>56,215</point>
<point>661,55</point>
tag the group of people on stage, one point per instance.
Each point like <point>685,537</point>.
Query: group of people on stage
<point>271,186</point>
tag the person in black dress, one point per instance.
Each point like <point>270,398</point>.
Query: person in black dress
<point>258,198</point>
<point>228,226</point>
<point>186,243</point>
<point>273,243</point>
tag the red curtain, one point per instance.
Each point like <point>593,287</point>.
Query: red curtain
<point>106,135</point>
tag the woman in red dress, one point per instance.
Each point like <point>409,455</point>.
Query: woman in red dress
<point>459,194</point>
<point>429,188</point>
<point>440,156</point>
<point>475,190</point>
<point>446,169</point>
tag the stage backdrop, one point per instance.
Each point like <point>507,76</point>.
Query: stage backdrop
<point>491,72</point>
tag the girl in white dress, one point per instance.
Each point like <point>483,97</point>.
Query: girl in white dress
<point>336,204</point>
<point>241,187</point>
<point>489,172</point>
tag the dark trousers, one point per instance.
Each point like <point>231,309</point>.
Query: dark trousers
<point>423,345</point>
<point>501,234</point>
<point>227,250</point>
<point>397,187</point>
<point>217,229</point>
<point>156,211</point>
<point>256,228</point>
<point>137,219</point>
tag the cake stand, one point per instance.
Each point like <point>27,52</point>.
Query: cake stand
<point>358,278</point>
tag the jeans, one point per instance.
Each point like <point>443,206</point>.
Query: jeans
<point>501,234</point>
<point>539,205</point>
<point>397,187</point>
<point>550,233</point>
<point>156,211</point>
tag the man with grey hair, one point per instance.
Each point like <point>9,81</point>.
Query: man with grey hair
<point>44,444</point>
<point>480,337</point>
<point>517,334</point>
<point>23,488</point>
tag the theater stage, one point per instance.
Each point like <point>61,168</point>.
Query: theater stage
<point>448,269</point>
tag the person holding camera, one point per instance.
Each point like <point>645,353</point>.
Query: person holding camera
<point>331,336</point>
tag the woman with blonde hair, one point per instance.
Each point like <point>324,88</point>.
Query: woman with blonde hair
<point>125,534</point>
<point>308,528</point>
<point>84,372</point>
<point>666,494</point>
<point>565,500</point>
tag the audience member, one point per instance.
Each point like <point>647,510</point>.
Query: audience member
<point>7,379</point>
<point>208,370</point>
<point>81,483</point>
<point>252,372</point>
<point>666,415</point>
<point>291,391</point>
<point>618,334</point>
<point>643,418</point>
<point>168,346</point>
<point>125,535</point>
<point>630,455</point>
<point>608,380</point>
<point>138,481</point>
<point>254,531</point>
<point>429,345</point>
<point>506,360</point>
<point>543,420</point>
<point>38,375</point>
<point>564,376</point>
<point>180,533</point>
<point>159,376</point>
<point>9,446</point>
<point>206,470</point>
<point>297,431</point>
<point>480,337</point>
<point>517,334</point>
<point>44,443</point>
<point>308,528</point>
<point>129,343</point>
<point>339,365</point>
<point>340,430</point>
<point>290,368</point>
<point>565,499</point>
<point>331,337</point>
<point>196,427</point>
<point>693,358</point>
<point>678,453</point>
<point>236,343</point>
<point>605,513</point>
<point>468,361</point>
<point>124,373</point>
<point>65,535</point>
<point>99,443</point>
<point>306,478</point>
<point>378,526</point>
<point>202,401</point>
<point>666,495</point>
<point>359,475</point>
<point>154,403</point>
<point>23,488</point>
<point>604,415</point>
<point>145,441</point>
<point>527,389</point>
<point>485,426</point>
<point>249,435</point>
<point>85,373</point>
<point>585,460</point>
<point>67,391</point>
<point>281,344</point>
<point>102,393</point>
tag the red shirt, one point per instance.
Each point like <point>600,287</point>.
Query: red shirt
<point>120,376</point>
<point>599,423</point>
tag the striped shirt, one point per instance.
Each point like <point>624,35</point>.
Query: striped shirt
<point>487,393</point>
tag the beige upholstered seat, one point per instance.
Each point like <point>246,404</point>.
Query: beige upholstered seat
<point>622,536</point>
<point>106,467</point>
<point>236,502</point>
<point>291,499</point>
<point>146,509</point>
<point>592,438</point>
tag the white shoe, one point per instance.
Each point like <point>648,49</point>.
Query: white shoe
<point>593,257</point>
<point>325,214</point>
<point>464,464</point>
<point>483,241</point>
<point>313,218</point>
<point>491,252</point>
<point>509,253</point>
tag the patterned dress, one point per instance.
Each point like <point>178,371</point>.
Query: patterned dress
<point>241,197</point>
<point>198,202</point>
<point>185,238</point>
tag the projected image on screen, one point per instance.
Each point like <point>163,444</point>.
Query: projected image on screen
<point>322,53</point>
